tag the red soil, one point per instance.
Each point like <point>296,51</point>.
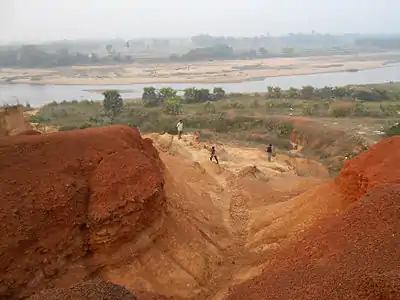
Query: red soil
<point>69,199</point>
<point>92,290</point>
<point>381,164</point>
<point>30,132</point>
<point>354,254</point>
<point>95,290</point>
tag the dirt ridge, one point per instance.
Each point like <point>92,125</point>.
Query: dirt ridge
<point>71,203</point>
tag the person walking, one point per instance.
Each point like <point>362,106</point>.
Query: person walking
<point>179,126</point>
<point>269,152</point>
<point>214,155</point>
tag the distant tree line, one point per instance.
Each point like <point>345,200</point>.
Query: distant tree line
<point>171,101</point>
<point>205,47</point>
<point>313,39</point>
<point>310,92</point>
<point>220,52</point>
<point>32,56</point>
<point>390,43</point>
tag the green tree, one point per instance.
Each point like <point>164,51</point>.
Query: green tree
<point>190,95</point>
<point>172,105</point>
<point>307,91</point>
<point>340,92</point>
<point>293,92</point>
<point>325,93</point>
<point>149,96</point>
<point>277,92</point>
<point>218,93</point>
<point>113,103</point>
<point>270,91</point>
<point>165,93</point>
<point>203,95</point>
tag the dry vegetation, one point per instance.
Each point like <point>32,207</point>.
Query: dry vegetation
<point>329,129</point>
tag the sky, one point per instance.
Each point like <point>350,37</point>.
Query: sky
<point>41,20</point>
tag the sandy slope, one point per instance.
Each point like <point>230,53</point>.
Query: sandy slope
<point>222,221</point>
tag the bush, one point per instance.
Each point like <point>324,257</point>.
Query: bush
<point>37,119</point>
<point>255,104</point>
<point>172,106</point>
<point>209,107</point>
<point>85,125</point>
<point>235,104</point>
<point>394,130</point>
<point>342,109</point>
<point>285,129</point>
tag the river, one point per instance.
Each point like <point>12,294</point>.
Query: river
<point>38,95</point>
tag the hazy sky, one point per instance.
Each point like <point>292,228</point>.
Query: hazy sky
<point>31,20</point>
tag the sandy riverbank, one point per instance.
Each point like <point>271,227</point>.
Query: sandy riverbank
<point>205,72</point>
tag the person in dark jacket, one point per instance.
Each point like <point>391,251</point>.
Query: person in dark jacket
<point>213,154</point>
<point>269,152</point>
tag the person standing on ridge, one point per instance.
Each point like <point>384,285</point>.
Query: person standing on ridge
<point>269,152</point>
<point>214,155</point>
<point>179,126</point>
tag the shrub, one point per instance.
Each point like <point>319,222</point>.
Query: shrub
<point>342,109</point>
<point>255,104</point>
<point>235,104</point>
<point>37,119</point>
<point>209,107</point>
<point>85,125</point>
<point>285,129</point>
<point>172,106</point>
<point>394,130</point>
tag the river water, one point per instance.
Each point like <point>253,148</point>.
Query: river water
<point>38,95</point>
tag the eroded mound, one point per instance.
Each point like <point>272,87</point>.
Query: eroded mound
<point>381,164</point>
<point>250,171</point>
<point>69,200</point>
<point>353,254</point>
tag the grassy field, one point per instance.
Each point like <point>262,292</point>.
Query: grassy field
<point>330,129</point>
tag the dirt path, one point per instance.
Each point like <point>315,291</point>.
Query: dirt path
<point>236,187</point>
